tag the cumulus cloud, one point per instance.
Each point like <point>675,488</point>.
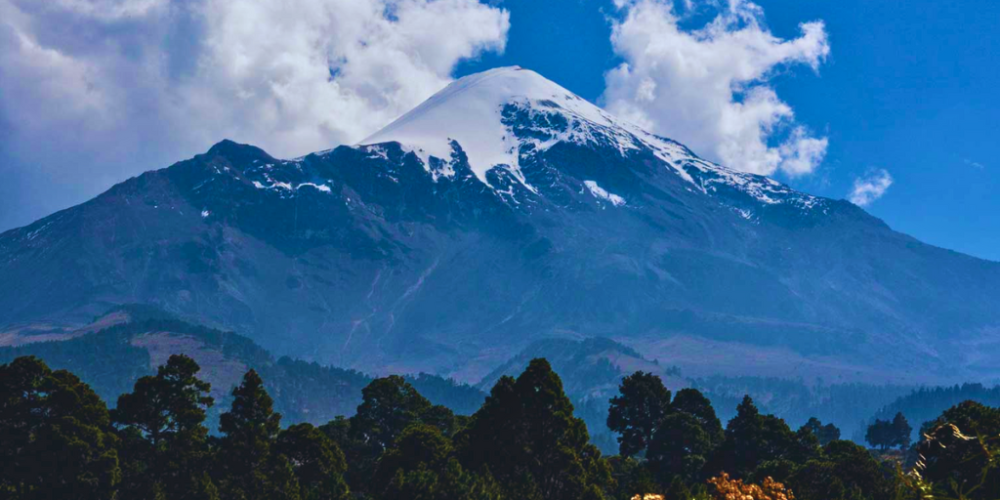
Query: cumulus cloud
<point>94,90</point>
<point>708,87</point>
<point>870,187</point>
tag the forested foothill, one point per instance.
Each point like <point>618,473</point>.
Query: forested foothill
<point>59,439</point>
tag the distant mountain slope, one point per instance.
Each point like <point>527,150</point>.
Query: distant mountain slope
<point>589,368</point>
<point>928,403</point>
<point>142,338</point>
<point>592,370</point>
<point>418,251</point>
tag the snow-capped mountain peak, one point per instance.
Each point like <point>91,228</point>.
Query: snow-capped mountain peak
<point>500,116</point>
<point>471,111</point>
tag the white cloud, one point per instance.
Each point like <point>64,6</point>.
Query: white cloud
<point>870,187</point>
<point>270,63</point>
<point>708,87</point>
<point>289,75</point>
<point>974,164</point>
<point>94,90</point>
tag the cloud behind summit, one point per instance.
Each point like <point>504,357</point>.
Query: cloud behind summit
<point>97,90</point>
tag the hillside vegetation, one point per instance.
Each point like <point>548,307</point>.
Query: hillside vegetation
<point>524,442</point>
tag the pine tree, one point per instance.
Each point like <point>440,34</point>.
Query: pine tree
<point>457,483</point>
<point>859,470</point>
<point>631,478</point>
<point>361,455</point>
<point>165,444</point>
<point>817,480</point>
<point>248,469</point>
<point>824,433</point>
<point>637,412</point>
<point>420,484</point>
<point>880,434</point>
<point>679,449</point>
<point>170,403</point>
<point>526,434</point>
<point>419,445</point>
<point>389,405</point>
<point>55,436</point>
<point>901,431</point>
<point>751,439</point>
<point>694,403</point>
<point>317,461</point>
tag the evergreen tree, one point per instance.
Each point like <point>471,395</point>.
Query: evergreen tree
<point>457,483</point>
<point>817,480</point>
<point>901,431</point>
<point>694,403</point>
<point>678,490</point>
<point>390,405</point>
<point>880,434</point>
<point>317,461</point>
<point>419,445</point>
<point>636,413</point>
<point>751,439</point>
<point>452,483</point>
<point>972,418</point>
<point>526,434</point>
<point>362,456</point>
<point>779,470</point>
<point>679,448</point>
<point>631,478</point>
<point>420,465</point>
<point>420,484</point>
<point>859,470</point>
<point>248,469</point>
<point>164,441</point>
<point>824,433</point>
<point>166,405</point>
<point>55,436</point>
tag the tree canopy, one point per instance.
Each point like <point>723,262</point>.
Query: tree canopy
<point>58,440</point>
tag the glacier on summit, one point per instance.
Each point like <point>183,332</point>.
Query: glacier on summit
<point>501,116</point>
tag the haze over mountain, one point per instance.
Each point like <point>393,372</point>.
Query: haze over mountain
<point>502,211</point>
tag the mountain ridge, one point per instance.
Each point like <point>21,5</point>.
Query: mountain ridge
<point>378,258</point>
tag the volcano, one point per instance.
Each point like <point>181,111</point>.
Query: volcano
<point>501,211</point>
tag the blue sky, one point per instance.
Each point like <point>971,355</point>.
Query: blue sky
<point>94,91</point>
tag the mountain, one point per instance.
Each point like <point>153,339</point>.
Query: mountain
<point>590,369</point>
<point>502,211</point>
<point>131,341</point>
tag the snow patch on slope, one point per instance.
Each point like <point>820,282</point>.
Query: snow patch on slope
<point>601,193</point>
<point>286,186</point>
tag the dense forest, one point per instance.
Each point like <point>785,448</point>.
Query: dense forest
<point>111,358</point>
<point>58,439</point>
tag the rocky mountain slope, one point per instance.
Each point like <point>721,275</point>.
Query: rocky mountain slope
<point>502,211</point>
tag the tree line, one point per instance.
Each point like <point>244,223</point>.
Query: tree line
<point>58,439</point>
